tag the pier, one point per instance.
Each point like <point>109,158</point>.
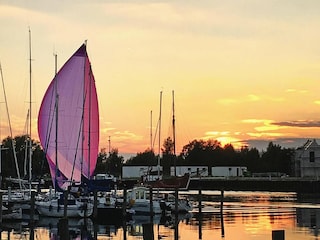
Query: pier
<point>271,184</point>
<point>274,184</point>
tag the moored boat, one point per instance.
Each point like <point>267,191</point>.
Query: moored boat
<point>139,200</point>
<point>68,127</point>
<point>53,206</point>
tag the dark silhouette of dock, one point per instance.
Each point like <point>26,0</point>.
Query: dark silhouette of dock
<point>274,184</point>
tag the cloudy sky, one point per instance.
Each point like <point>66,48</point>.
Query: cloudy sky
<point>244,72</point>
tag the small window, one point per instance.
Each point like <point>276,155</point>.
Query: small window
<point>311,156</point>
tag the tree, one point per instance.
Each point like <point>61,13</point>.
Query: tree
<point>146,158</point>
<point>114,163</point>
<point>19,143</point>
<point>101,166</point>
<point>200,152</point>
<point>250,158</point>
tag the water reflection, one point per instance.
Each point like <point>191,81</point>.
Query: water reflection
<point>243,217</point>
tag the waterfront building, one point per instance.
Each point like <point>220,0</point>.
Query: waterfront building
<point>307,160</point>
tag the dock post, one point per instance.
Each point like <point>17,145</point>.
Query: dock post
<point>124,206</point>
<point>95,204</point>
<point>278,235</point>
<point>221,213</point>
<point>151,202</point>
<point>200,213</point>
<point>50,193</point>
<point>32,207</point>
<point>0,208</point>
<point>65,204</point>
<point>124,213</point>
<point>9,194</point>
<point>63,229</point>
<point>176,214</point>
<point>176,199</point>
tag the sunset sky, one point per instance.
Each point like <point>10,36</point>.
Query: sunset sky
<point>244,72</point>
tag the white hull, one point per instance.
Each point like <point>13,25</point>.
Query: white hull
<point>53,206</point>
<point>53,209</point>
<point>139,201</point>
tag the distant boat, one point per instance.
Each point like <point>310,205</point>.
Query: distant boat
<point>169,182</point>
<point>68,126</point>
<point>139,199</point>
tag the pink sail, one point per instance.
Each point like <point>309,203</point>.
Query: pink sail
<point>68,121</point>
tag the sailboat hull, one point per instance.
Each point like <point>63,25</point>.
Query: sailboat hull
<point>52,208</point>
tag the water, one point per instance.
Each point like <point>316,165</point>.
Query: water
<point>246,215</point>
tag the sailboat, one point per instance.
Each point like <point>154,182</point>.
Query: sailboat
<point>172,182</point>
<point>68,127</point>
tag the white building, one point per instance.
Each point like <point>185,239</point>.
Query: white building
<point>228,171</point>
<point>138,172</point>
<point>307,160</point>
<point>193,171</point>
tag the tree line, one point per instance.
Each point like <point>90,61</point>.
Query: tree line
<point>196,153</point>
<point>204,153</point>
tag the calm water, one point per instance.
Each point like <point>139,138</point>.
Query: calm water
<point>246,215</point>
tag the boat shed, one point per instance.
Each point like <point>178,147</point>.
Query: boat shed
<point>307,160</point>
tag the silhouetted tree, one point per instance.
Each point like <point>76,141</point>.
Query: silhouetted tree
<point>200,152</point>
<point>39,163</point>
<point>249,158</point>
<point>101,166</point>
<point>146,158</point>
<point>114,163</point>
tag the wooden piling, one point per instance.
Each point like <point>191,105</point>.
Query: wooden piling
<point>9,194</point>
<point>176,199</point>
<point>65,204</point>
<point>151,201</point>
<point>176,212</point>
<point>200,213</point>
<point>32,207</point>
<point>95,204</point>
<point>63,229</point>
<point>221,213</point>
<point>1,208</point>
<point>124,213</point>
<point>278,235</point>
<point>124,206</point>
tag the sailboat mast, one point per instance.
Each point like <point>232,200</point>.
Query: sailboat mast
<point>174,135</point>
<point>151,145</point>
<point>56,118</point>
<point>30,91</point>
<point>159,143</point>
<point>89,127</point>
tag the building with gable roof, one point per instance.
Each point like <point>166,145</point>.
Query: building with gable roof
<point>307,160</point>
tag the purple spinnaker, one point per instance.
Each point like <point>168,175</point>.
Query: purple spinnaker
<point>68,121</point>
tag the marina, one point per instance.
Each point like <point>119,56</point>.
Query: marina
<point>245,215</point>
